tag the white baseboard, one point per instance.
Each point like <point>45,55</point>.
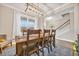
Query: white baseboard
<point>65,40</point>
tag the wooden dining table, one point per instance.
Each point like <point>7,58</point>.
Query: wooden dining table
<point>22,41</point>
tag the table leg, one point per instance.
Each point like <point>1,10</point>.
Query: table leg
<point>0,50</point>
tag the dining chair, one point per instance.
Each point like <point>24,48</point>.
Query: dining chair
<point>20,43</point>
<point>24,32</point>
<point>52,37</point>
<point>32,46</point>
<point>45,40</point>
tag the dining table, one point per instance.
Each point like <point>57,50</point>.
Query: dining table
<point>23,40</point>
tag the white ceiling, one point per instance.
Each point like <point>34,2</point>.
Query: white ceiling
<point>49,6</point>
<point>45,7</point>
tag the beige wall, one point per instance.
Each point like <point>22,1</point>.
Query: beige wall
<point>6,18</point>
<point>10,20</point>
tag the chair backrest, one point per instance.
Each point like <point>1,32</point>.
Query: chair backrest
<point>46,31</point>
<point>24,32</point>
<point>18,37</point>
<point>34,35</point>
<point>33,32</point>
<point>53,32</point>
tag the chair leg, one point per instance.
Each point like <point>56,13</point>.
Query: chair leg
<point>27,53</point>
<point>37,53</point>
<point>24,52</point>
<point>43,51</point>
<point>48,48</point>
<point>50,43</point>
<point>1,51</point>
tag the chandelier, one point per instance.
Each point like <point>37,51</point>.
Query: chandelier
<point>33,8</point>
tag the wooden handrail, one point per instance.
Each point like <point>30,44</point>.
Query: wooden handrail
<point>62,24</point>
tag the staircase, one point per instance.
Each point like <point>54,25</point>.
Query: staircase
<point>64,32</point>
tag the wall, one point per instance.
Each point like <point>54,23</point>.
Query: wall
<point>6,21</point>
<point>66,32</point>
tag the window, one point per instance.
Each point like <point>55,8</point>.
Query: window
<point>23,22</point>
<point>31,23</point>
<point>27,23</point>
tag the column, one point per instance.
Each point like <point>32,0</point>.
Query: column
<point>76,20</point>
